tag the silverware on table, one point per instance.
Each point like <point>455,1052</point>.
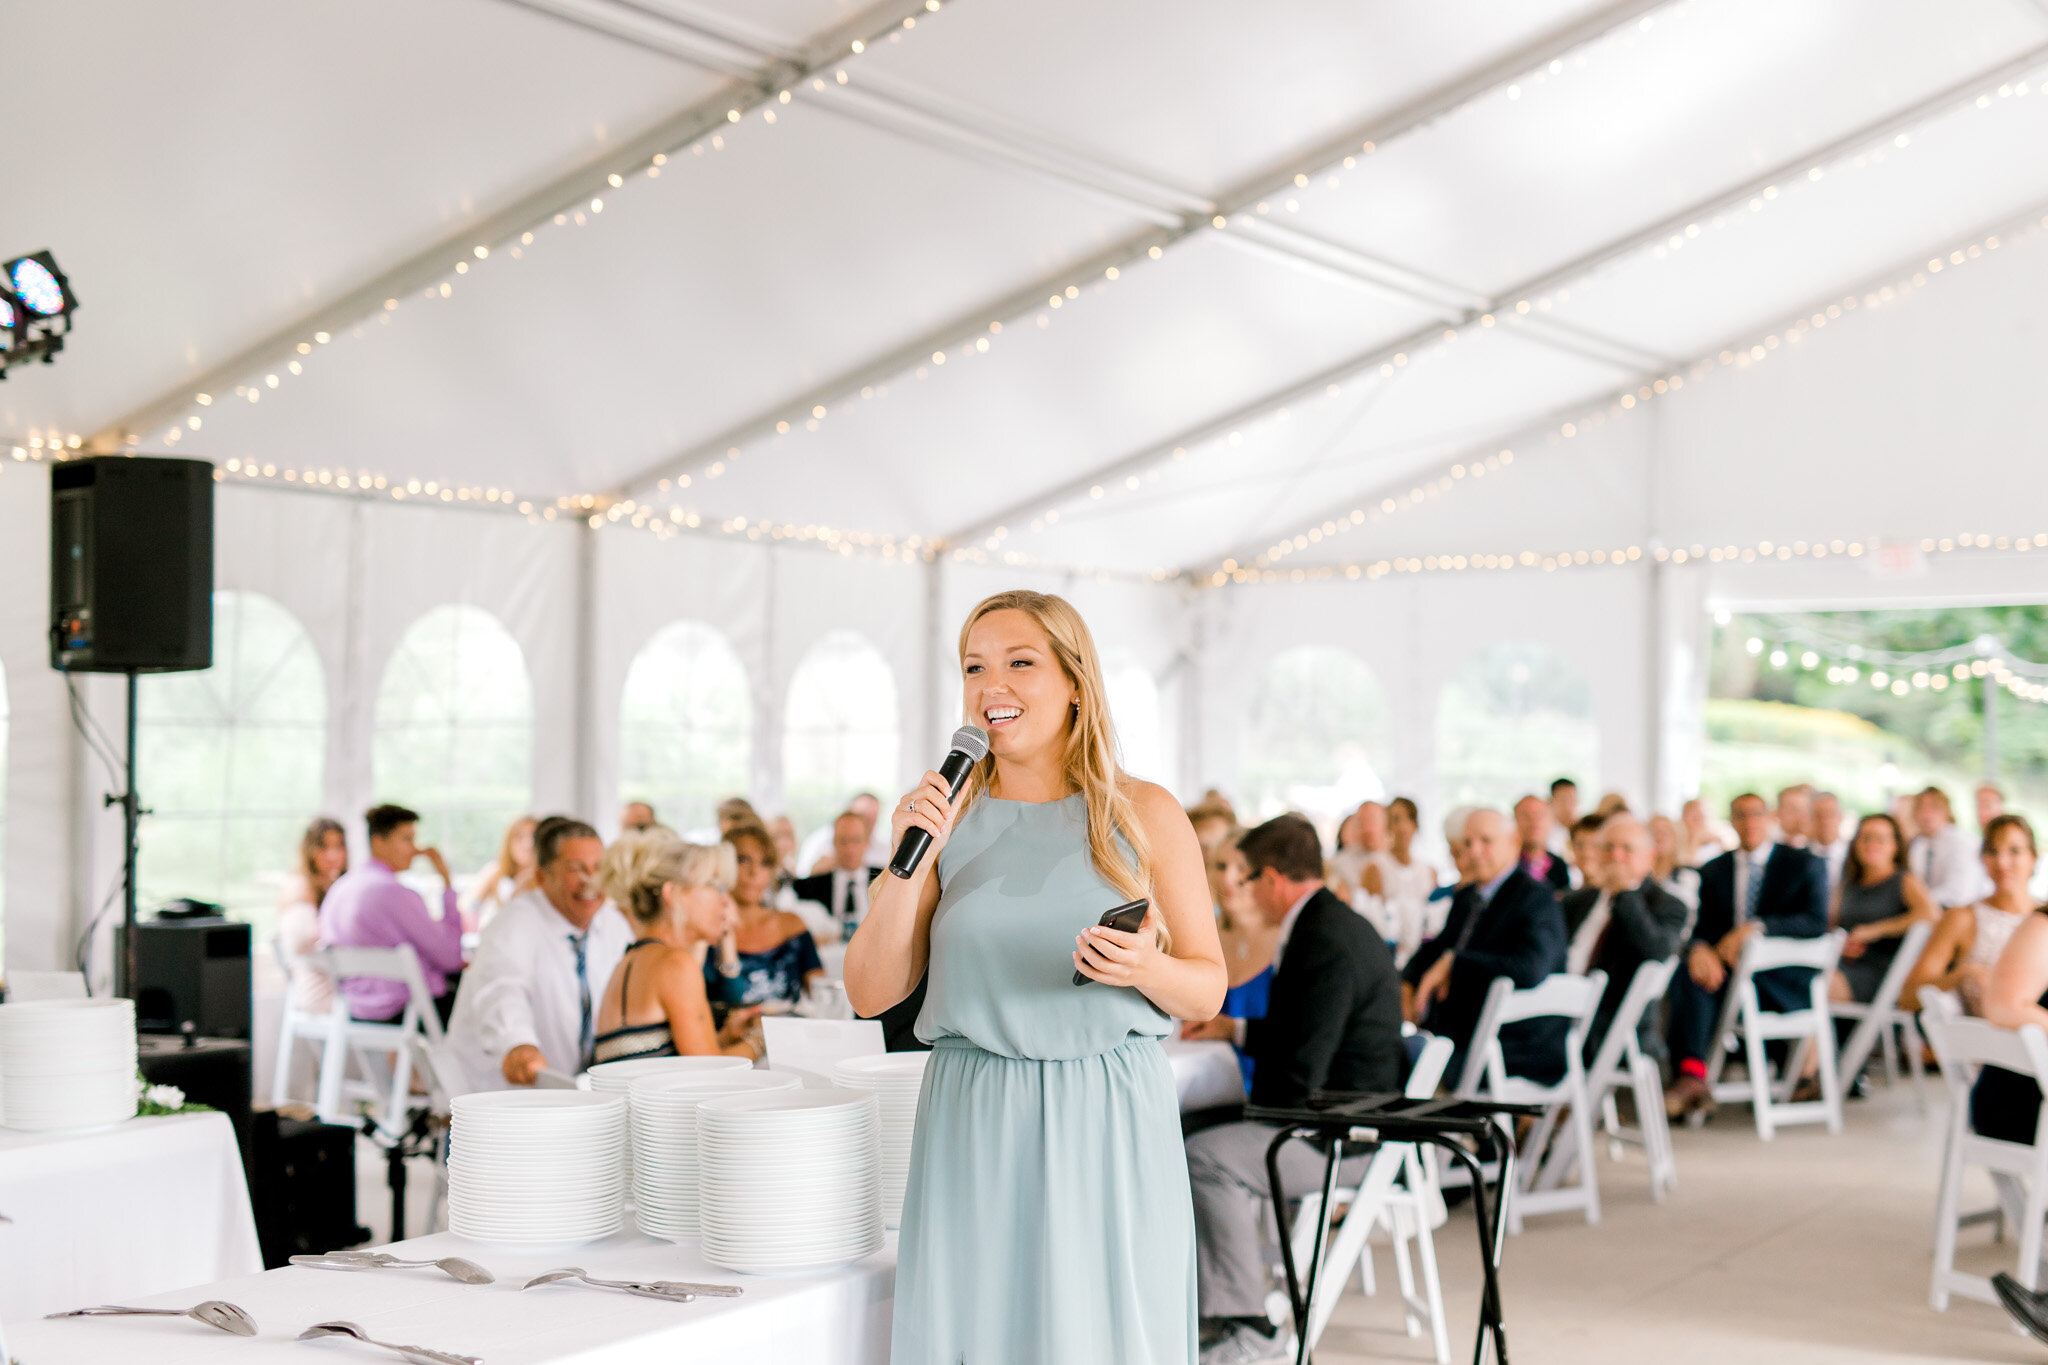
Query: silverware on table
<point>675,1291</point>
<point>421,1354</point>
<point>469,1272</point>
<point>214,1313</point>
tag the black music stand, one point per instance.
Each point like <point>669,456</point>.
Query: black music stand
<point>1335,1118</point>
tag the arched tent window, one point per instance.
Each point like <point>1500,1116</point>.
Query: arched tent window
<point>686,725</point>
<point>1512,719</point>
<point>455,732</point>
<point>839,730</point>
<point>1134,709</point>
<point>1317,737</point>
<point>229,762</point>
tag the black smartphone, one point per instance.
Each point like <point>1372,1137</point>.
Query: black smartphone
<point>1128,918</point>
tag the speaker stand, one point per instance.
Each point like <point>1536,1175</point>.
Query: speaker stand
<point>131,820</point>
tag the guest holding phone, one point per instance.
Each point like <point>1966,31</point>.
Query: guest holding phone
<point>1048,1218</point>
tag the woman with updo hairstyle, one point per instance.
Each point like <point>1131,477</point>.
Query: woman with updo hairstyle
<point>677,896</point>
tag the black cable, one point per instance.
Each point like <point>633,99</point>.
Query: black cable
<point>117,775</point>
<point>81,958</point>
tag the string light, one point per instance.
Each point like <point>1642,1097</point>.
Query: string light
<point>1903,672</point>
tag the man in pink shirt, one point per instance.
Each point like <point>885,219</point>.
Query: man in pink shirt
<point>368,907</point>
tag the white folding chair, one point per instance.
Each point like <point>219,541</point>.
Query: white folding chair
<point>439,1070</point>
<point>1881,1023</point>
<point>810,1047</point>
<point>1964,1046</point>
<point>1539,1180</point>
<point>346,1035</point>
<point>1620,1063</point>
<point>1770,1097</point>
<point>1396,1193</point>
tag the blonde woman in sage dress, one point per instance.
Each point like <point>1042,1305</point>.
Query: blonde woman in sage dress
<point>1047,1219</point>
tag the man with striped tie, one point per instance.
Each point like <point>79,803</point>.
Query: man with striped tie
<point>1761,886</point>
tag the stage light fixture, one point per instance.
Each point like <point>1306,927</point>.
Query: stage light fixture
<point>36,304</point>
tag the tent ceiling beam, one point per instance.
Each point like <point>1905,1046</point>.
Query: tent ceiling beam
<point>1898,121</point>
<point>427,267</point>
<point>660,33</point>
<point>2006,225</point>
<point>1380,131</point>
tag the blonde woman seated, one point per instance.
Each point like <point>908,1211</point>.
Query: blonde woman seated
<point>677,897</point>
<point>1969,938</point>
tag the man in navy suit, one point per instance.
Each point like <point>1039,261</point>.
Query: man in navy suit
<point>1760,887</point>
<point>1502,923</point>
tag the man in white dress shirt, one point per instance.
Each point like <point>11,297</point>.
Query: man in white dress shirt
<point>841,891</point>
<point>529,1001</point>
<point>1943,857</point>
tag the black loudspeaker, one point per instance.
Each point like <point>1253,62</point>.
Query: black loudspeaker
<point>131,565</point>
<point>303,1187</point>
<point>192,976</point>
<point>211,1071</point>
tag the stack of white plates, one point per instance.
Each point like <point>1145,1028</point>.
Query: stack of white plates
<point>664,1123</point>
<point>67,1064</point>
<point>536,1167</point>
<point>788,1180</point>
<point>895,1078</point>
<point>616,1078</point>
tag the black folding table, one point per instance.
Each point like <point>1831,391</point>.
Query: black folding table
<point>1335,1120</point>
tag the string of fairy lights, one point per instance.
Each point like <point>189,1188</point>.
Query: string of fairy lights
<point>1848,663</point>
<point>667,517</point>
<point>1790,334</point>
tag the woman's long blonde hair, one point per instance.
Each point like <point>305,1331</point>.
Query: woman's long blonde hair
<point>1090,761</point>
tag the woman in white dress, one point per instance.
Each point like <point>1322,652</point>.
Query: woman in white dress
<point>323,857</point>
<point>1968,939</point>
<point>510,873</point>
<point>1399,883</point>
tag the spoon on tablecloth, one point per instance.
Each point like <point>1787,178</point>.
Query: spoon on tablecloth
<point>675,1291</point>
<point>469,1272</point>
<point>424,1355</point>
<point>214,1313</point>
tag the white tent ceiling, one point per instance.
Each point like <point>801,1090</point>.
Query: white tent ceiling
<point>1562,201</point>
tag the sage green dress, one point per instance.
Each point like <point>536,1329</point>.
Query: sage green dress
<point>1047,1219</point>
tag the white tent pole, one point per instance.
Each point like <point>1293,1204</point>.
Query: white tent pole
<point>584,726</point>
<point>831,47</point>
<point>1426,109</point>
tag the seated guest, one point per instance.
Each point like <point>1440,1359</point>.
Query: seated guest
<point>783,831</point>
<point>323,857</point>
<point>1942,856</point>
<point>1503,923</point>
<point>1672,865</point>
<point>1532,823</point>
<point>1333,1022</point>
<point>528,1001</point>
<point>636,815</point>
<point>1759,887</point>
<point>1705,842</point>
<point>1399,883</point>
<point>777,957</point>
<point>1795,815</point>
<point>2004,1104</point>
<point>1248,942</point>
<point>1990,804</point>
<point>1968,940</point>
<point>1213,822</point>
<point>1830,841</point>
<point>675,895</point>
<point>816,853</point>
<point>1564,812</point>
<point>1877,902</point>
<point>510,873</point>
<point>1625,921</point>
<point>842,892</point>
<point>1362,834</point>
<point>370,908</point>
<point>1585,850</point>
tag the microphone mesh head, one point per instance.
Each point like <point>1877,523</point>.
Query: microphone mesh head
<point>971,740</point>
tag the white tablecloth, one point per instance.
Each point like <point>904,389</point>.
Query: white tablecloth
<point>1206,1074</point>
<point>838,1317</point>
<point>108,1217</point>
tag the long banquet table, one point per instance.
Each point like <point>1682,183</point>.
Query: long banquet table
<point>834,1317</point>
<point>135,1209</point>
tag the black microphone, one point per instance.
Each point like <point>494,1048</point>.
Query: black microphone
<point>970,746</point>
